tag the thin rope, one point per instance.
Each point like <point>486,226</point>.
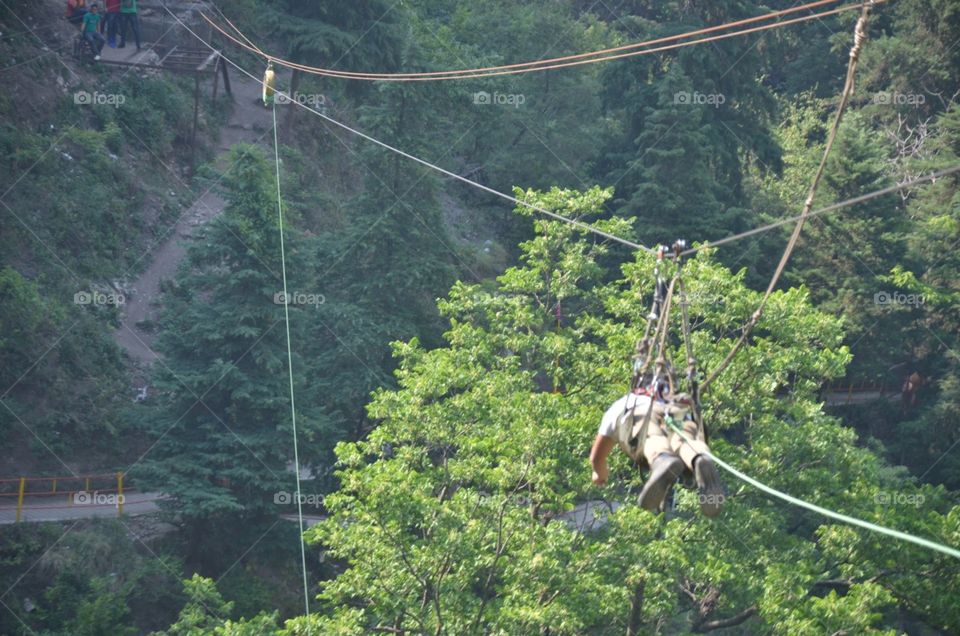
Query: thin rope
<point>515,71</point>
<point>835,206</point>
<point>859,36</point>
<point>866,525</point>
<point>692,385</point>
<point>293,409</point>
<point>659,339</point>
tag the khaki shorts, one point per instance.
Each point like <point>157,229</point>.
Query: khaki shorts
<point>662,439</point>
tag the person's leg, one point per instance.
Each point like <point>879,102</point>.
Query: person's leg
<point>656,442</point>
<point>112,19</point>
<point>665,466</point>
<point>91,41</point>
<point>124,25</point>
<point>688,452</point>
<point>135,21</point>
<point>695,456</point>
<point>99,42</point>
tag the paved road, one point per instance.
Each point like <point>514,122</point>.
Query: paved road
<point>67,508</point>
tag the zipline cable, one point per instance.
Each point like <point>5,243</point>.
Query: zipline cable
<point>625,47</point>
<point>866,525</point>
<point>516,71</point>
<point>833,206</point>
<point>286,315</point>
<point>234,27</point>
<point>860,34</point>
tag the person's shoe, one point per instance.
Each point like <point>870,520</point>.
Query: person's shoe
<point>664,472</point>
<point>121,45</point>
<point>96,58</point>
<point>709,488</point>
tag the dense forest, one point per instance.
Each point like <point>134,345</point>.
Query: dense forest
<point>450,353</point>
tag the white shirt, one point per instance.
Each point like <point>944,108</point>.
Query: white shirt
<point>615,425</point>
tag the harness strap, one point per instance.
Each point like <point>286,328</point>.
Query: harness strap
<point>638,432</point>
<point>692,383</point>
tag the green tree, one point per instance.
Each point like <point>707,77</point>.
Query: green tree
<point>929,273</point>
<point>690,120</point>
<point>222,427</point>
<point>203,611</point>
<point>453,516</point>
<point>844,255</point>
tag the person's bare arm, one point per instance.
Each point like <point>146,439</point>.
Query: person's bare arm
<point>602,446</point>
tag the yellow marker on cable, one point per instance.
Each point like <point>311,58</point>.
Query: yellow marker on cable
<point>268,85</point>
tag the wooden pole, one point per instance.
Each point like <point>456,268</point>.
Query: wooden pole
<point>23,483</point>
<point>294,87</point>
<point>216,78</point>
<point>196,119</point>
<point>120,494</point>
<point>226,80</point>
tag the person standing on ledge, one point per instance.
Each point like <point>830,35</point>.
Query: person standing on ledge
<point>111,21</point>
<point>90,30</point>
<point>129,19</point>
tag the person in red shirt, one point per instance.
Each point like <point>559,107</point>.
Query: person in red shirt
<point>111,21</point>
<point>75,11</point>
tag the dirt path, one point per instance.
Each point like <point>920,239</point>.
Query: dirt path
<point>249,123</point>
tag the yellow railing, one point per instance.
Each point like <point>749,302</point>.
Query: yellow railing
<point>23,487</point>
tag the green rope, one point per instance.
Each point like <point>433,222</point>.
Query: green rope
<point>866,525</point>
<point>293,409</point>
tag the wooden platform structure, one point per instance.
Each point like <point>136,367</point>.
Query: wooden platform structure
<point>855,393</point>
<point>172,50</point>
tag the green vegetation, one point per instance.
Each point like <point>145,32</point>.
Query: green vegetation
<point>451,357</point>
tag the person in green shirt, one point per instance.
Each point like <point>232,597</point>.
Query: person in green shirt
<point>129,18</point>
<point>91,21</point>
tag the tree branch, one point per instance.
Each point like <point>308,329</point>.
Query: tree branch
<point>721,623</point>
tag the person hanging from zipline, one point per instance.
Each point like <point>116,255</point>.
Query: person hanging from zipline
<point>640,421</point>
<point>664,451</point>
